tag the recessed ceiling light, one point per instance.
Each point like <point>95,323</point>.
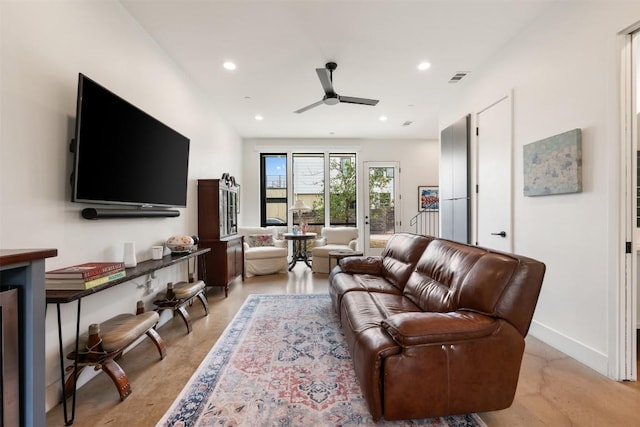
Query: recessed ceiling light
<point>424,66</point>
<point>258,117</point>
<point>229,65</point>
<point>383,118</point>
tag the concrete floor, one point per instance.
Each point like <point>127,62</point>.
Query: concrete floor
<point>554,390</point>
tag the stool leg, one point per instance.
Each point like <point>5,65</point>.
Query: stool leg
<point>158,341</point>
<point>185,316</point>
<point>203,300</point>
<point>70,384</point>
<point>118,377</point>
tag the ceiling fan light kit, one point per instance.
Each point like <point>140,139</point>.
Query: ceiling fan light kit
<point>330,96</point>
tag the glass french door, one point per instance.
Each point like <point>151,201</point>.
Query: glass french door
<point>381,202</point>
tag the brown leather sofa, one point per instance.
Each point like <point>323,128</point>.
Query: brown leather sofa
<point>436,327</point>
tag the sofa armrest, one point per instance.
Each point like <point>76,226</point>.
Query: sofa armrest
<point>279,243</point>
<point>322,241</point>
<point>362,265</point>
<point>353,245</point>
<point>246,246</point>
<point>419,328</point>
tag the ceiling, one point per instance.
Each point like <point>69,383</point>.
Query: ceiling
<point>377,44</point>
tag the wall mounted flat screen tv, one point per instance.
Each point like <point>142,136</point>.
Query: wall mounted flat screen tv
<point>123,156</point>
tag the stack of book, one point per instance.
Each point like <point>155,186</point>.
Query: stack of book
<point>84,276</point>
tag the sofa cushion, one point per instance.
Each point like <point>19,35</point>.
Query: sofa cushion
<point>248,231</point>
<point>339,235</point>
<point>439,273</point>
<point>342,283</point>
<point>323,251</point>
<point>400,255</point>
<point>259,240</point>
<point>265,252</point>
<point>411,328</point>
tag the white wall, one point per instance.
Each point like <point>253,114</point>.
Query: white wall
<point>44,47</point>
<point>418,161</point>
<point>564,72</point>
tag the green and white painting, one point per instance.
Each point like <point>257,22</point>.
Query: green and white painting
<point>554,165</point>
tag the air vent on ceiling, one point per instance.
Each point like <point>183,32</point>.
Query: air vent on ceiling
<point>458,76</point>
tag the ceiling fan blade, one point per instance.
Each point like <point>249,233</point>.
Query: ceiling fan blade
<point>308,107</point>
<point>353,100</point>
<point>325,80</point>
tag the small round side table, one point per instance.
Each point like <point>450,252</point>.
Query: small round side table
<point>300,250</point>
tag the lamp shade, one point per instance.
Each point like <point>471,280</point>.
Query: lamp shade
<point>300,205</point>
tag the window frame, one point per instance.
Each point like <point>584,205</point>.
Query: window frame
<point>327,156</point>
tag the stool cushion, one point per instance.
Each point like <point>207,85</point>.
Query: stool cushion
<point>123,329</point>
<point>183,290</point>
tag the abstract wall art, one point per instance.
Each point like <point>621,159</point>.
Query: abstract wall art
<point>554,165</point>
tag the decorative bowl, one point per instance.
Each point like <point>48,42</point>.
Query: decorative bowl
<point>181,244</point>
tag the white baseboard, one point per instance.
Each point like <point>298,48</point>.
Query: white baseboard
<point>594,359</point>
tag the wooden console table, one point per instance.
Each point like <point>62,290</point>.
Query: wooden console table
<point>58,297</point>
<point>24,269</point>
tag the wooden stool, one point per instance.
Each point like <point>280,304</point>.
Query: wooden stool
<point>181,294</point>
<point>106,341</point>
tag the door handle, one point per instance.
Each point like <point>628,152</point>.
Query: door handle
<point>501,234</point>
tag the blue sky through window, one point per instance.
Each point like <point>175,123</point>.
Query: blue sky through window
<point>276,165</point>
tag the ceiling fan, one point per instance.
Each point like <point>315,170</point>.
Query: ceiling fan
<point>330,96</point>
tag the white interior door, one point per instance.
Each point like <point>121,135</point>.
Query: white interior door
<point>624,367</point>
<point>494,167</point>
<point>381,202</point>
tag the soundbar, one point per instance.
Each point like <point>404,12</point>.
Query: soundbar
<point>93,213</point>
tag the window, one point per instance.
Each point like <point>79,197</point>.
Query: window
<point>310,173</point>
<point>342,189</point>
<point>308,186</point>
<point>273,189</point>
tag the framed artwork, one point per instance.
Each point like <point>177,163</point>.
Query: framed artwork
<point>553,165</point>
<point>428,198</point>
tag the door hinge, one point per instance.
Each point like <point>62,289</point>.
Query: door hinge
<point>477,188</point>
<point>477,131</point>
<point>628,248</point>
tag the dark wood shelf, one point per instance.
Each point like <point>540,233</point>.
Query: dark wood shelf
<point>142,269</point>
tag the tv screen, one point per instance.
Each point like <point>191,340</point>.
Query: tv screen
<point>123,156</point>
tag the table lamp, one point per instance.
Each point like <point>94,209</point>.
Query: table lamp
<point>300,206</point>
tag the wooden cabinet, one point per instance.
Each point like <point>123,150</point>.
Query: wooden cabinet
<point>217,229</point>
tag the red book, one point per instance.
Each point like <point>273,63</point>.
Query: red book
<point>85,271</point>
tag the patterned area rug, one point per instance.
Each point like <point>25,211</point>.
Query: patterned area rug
<point>282,361</point>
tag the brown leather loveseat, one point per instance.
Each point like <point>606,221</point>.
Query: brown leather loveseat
<point>436,327</point>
